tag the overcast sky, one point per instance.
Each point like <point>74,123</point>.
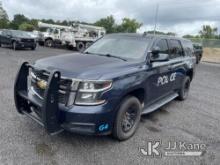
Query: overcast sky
<point>179,16</point>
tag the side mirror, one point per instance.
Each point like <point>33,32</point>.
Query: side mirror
<point>159,57</point>
<point>155,50</point>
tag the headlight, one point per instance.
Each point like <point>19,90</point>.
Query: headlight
<point>90,92</point>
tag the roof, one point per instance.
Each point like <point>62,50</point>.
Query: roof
<point>137,35</point>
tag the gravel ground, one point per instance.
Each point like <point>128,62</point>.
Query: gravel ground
<point>196,120</point>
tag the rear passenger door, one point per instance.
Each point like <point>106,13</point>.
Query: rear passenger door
<point>176,63</point>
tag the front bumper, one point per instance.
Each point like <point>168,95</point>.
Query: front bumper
<point>26,44</point>
<point>55,117</point>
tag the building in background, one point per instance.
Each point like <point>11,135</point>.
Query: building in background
<point>3,14</point>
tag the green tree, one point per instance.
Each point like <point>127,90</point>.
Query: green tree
<point>4,23</point>
<point>34,22</point>
<point>26,27</point>
<point>188,36</point>
<point>18,20</point>
<point>129,25</point>
<point>108,23</point>
<point>208,31</point>
<point>50,21</point>
<point>160,33</point>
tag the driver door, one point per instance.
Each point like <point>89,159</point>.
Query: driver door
<point>158,83</point>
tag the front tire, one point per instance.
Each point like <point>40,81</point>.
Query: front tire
<point>127,119</point>
<point>49,43</point>
<point>184,91</point>
<point>33,48</point>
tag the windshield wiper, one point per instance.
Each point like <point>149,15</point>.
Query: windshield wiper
<point>107,55</point>
<point>110,55</point>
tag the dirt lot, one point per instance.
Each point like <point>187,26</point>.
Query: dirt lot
<point>211,55</point>
<point>195,120</point>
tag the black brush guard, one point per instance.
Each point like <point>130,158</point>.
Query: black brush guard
<point>48,106</point>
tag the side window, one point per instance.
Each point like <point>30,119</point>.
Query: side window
<point>162,44</point>
<point>188,48</point>
<point>176,49</point>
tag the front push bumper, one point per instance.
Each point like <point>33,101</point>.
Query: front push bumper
<point>54,117</point>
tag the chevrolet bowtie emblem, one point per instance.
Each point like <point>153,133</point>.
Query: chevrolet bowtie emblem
<point>42,84</point>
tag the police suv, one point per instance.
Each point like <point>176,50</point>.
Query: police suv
<point>105,89</point>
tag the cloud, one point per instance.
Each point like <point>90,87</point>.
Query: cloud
<point>182,17</point>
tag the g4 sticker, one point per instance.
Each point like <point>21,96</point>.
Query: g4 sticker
<point>103,127</point>
<point>162,80</point>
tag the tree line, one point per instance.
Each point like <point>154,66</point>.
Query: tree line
<point>21,22</point>
<point>207,32</point>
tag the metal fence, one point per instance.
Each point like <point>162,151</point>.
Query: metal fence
<point>213,43</point>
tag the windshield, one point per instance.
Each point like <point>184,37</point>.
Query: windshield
<point>123,47</point>
<point>18,33</point>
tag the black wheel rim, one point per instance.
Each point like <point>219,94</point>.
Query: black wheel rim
<point>81,47</point>
<point>129,119</point>
<point>49,43</point>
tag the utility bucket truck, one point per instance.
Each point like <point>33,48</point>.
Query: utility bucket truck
<point>77,35</point>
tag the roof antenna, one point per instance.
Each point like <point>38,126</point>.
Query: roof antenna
<point>156,17</point>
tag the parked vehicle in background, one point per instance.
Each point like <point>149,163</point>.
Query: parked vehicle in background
<point>105,89</point>
<point>198,50</point>
<point>78,36</point>
<point>17,39</point>
<point>35,35</point>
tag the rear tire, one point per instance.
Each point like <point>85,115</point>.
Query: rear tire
<point>200,57</point>
<point>127,119</point>
<point>49,43</point>
<point>80,46</point>
<point>184,91</point>
<point>33,48</point>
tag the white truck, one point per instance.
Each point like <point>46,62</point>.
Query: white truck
<point>77,35</point>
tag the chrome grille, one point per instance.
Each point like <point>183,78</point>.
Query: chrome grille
<point>27,40</point>
<point>64,90</point>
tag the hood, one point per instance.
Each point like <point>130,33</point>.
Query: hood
<point>85,66</point>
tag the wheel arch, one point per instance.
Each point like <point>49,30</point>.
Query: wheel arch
<point>48,38</point>
<point>139,93</point>
<point>190,73</point>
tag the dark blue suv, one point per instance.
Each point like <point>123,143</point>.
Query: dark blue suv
<point>105,89</point>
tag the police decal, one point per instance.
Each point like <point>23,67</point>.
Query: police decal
<point>165,79</point>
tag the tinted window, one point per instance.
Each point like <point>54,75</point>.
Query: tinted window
<point>162,44</point>
<point>175,49</point>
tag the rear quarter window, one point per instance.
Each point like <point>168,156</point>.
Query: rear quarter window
<point>188,47</point>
